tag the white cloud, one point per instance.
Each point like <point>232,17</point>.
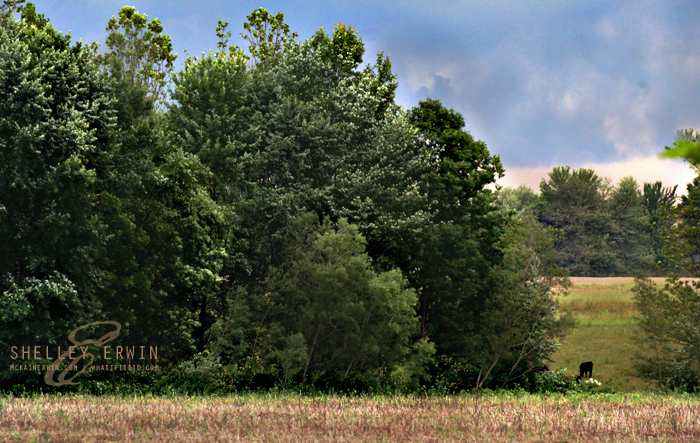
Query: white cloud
<point>644,169</point>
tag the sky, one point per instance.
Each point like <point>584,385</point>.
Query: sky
<point>586,84</point>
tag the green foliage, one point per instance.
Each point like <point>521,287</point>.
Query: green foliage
<point>658,204</point>
<point>210,112</point>
<point>269,37</point>
<point>682,231</point>
<point>686,146</point>
<point>139,53</point>
<point>574,204</point>
<point>464,167</point>
<point>521,322</point>
<point>54,123</point>
<point>448,261</point>
<point>295,142</point>
<point>350,318</point>
<point>630,232</point>
<point>343,50</point>
<point>668,321</point>
<point>9,7</point>
<point>38,311</point>
<point>522,200</point>
<point>197,229</point>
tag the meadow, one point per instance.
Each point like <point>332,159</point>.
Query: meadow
<point>606,333</point>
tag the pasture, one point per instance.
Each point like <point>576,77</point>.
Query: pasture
<point>605,334</point>
<point>290,418</point>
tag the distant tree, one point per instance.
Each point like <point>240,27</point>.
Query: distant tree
<point>630,232</point>
<point>522,200</point>
<point>658,204</point>
<point>573,202</point>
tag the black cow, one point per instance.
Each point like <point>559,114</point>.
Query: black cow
<point>586,369</point>
<point>542,368</point>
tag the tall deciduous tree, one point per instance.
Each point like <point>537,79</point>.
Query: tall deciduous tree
<point>167,234</point>
<point>139,53</point>
<point>449,261</point>
<point>304,137</point>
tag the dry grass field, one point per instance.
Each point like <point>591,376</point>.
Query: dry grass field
<point>322,419</point>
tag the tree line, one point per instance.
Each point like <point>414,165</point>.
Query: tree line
<point>272,212</point>
<point>601,230</point>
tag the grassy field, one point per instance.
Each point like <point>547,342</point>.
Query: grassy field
<point>605,335</point>
<point>289,418</point>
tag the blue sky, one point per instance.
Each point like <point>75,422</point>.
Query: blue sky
<point>596,84</point>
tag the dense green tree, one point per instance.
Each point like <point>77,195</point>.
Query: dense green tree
<point>295,142</point>
<point>669,339</point>
<point>55,120</point>
<point>349,318</point>
<point>522,200</point>
<point>658,204</point>
<point>211,115</point>
<point>167,234</point>
<point>630,233</point>
<point>449,261</point>
<point>311,137</point>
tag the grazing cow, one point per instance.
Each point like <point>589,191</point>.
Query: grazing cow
<point>586,369</point>
<point>578,379</point>
<point>542,368</point>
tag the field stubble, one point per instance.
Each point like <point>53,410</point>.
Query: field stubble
<point>303,419</point>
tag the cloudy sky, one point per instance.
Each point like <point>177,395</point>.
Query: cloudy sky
<point>595,84</point>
